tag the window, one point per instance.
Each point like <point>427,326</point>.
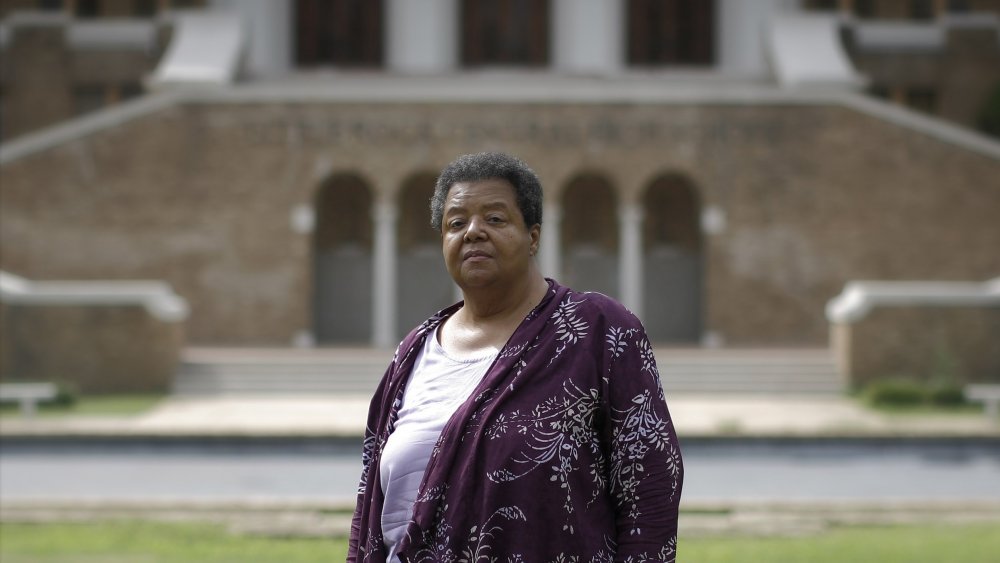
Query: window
<point>922,98</point>
<point>880,91</point>
<point>959,6</point>
<point>670,32</point>
<point>864,9</point>
<point>823,5</point>
<point>345,33</point>
<point>87,8</point>
<point>89,97</point>
<point>505,32</point>
<point>9,6</point>
<point>144,8</point>
<point>922,9</point>
<point>129,90</point>
<point>3,110</point>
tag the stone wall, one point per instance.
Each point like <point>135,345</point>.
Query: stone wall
<point>44,80</point>
<point>96,348</point>
<point>959,77</point>
<point>201,195</point>
<point>954,344</point>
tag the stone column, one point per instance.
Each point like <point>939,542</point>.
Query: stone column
<point>421,36</point>
<point>630,255</point>
<point>588,35</point>
<point>741,34</point>
<point>269,25</point>
<point>549,251</point>
<point>384,297</point>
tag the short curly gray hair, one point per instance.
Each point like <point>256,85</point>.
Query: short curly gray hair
<point>485,166</point>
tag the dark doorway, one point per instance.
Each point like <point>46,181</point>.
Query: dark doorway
<point>590,235</point>
<point>342,252</point>
<point>424,285</point>
<point>672,254</point>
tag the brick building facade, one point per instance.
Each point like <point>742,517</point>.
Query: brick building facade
<point>790,197</point>
<point>723,208</point>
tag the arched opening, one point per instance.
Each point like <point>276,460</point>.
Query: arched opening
<point>673,261</point>
<point>342,254</point>
<point>424,285</point>
<point>590,235</point>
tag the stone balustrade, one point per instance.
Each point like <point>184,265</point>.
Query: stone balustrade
<point>100,336</point>
<point>922,330</point>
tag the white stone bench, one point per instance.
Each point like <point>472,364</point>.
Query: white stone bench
<point>988,394</point>
<point>28,394</point>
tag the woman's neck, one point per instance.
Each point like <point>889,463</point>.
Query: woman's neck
<point>487,321</point>
<point>490,304</point>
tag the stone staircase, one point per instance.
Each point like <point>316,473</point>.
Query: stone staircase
<point>209,371</point>
<point>214,371</point>
<point>738,371</point>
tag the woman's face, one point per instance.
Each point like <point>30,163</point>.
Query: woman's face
<point>484,238</point>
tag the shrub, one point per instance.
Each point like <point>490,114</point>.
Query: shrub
<point>945,395</point>
<point>66,394</point>
<point>895,392</point>
<point>906,392</point>
<point>988,120</point>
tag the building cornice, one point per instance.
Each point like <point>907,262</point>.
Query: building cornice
<point>502,87</point>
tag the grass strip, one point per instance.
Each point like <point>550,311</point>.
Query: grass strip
<point>150,542</point>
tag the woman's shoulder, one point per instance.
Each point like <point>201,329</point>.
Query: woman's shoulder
<point>599,306</point>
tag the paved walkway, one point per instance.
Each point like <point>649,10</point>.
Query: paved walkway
<point>695,416</point>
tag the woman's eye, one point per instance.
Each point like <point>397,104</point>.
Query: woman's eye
<point>495,219</point>
<point>456,224</point>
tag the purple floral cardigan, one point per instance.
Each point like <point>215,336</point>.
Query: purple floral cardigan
<point>564,452</point>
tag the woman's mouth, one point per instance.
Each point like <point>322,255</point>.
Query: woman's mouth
<point>475,255</point>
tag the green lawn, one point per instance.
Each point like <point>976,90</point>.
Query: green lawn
<point>149,542</point>
<point>925,410</point>
<point>144,542</point>
<point>898,544</point>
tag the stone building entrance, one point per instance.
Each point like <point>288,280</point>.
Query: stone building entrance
<point>342,254</point>
<point>673,261</point>
<point>424,285</point>
<point>590,236</point>
<point>652,243</point>
<point>667,269</point>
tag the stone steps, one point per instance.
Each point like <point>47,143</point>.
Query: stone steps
<point>809,371</point>
<point>357,371</point>
<point>263,370</point>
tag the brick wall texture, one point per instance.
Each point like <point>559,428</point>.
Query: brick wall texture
<point>935,344</point>
<point>201,194</point>
<point>97,349</point>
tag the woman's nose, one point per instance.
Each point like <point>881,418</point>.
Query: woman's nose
<point>474,230</point>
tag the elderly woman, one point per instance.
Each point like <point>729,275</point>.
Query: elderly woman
<point>524,423</point>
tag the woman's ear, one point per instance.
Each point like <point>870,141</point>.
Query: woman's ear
<point>536,238</point>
